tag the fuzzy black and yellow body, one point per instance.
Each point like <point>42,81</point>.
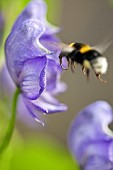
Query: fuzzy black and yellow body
<point>88,57</point>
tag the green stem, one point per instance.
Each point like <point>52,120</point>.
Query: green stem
<point>11,125</point>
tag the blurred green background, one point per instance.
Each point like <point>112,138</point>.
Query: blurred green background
<point>88,21</point>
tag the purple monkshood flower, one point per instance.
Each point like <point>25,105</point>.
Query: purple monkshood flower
<point>31,61</point>
<point>90,139</point>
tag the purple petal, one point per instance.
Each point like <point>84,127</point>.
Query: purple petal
<point>32,78</point>
<point>90,131</point>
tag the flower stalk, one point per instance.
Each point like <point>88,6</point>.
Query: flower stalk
<point>11,125</point>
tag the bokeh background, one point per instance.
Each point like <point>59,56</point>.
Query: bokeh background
<point>88,21</point>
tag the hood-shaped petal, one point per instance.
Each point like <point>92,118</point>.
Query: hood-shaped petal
<point>54,84</point>
<point>36,9</point>
<point>53,74</point>
<point>22,45</point>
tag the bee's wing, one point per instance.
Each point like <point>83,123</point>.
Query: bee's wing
<point>102,47</point>
<point>59,45</point>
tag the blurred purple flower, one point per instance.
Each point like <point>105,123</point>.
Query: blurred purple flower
<point>33,68</point>
<point>90,139</point>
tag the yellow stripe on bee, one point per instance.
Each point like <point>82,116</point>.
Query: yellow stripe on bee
<point>85,48</point>
<point>71,45</point>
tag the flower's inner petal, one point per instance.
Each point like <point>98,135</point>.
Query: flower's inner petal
<point>32,78</point>
<point>53,75</point>
<point>48,106</point>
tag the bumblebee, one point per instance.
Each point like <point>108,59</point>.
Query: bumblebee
<point>88,57</point>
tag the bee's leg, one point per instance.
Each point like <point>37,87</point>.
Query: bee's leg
<point>60,58</point>
<point>72,66</point>
<point>87,74</point>
<point>98,76</point>
<point>84,70</point>
<point>63,67</point>
<point>69,62</point>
